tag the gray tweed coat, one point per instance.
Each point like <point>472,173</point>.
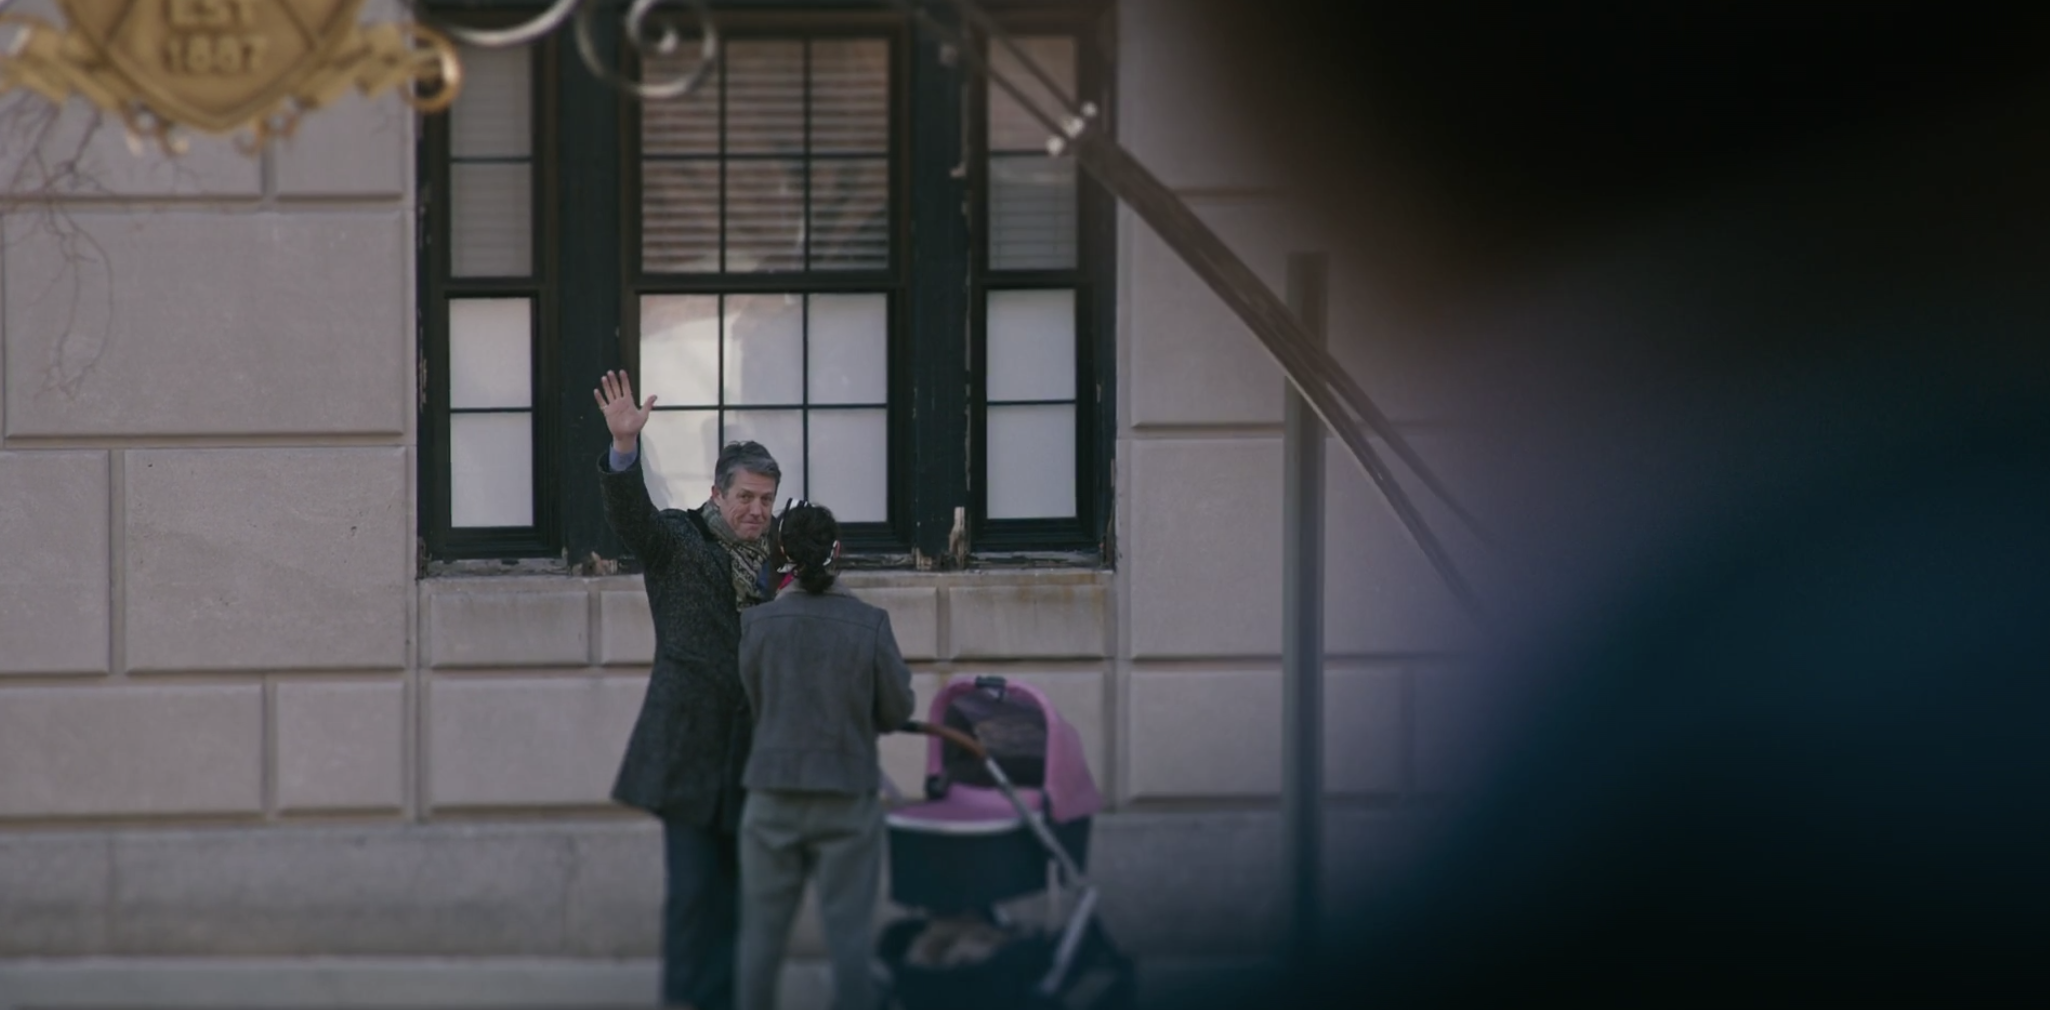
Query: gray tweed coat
<point>690,743</point>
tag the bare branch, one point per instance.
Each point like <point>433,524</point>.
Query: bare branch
<point>44,168</point>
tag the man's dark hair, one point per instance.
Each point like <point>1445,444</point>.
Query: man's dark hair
<point>806,535</point>
<point>750,456</point>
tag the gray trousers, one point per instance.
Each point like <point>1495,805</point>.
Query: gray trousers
<point>835,841</point>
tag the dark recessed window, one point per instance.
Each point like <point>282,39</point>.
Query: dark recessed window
<point>844,246</point>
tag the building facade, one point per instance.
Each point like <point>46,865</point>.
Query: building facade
<point>316,659</point>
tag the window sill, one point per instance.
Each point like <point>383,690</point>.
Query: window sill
<point>858,567</point>
<point>991,561</point>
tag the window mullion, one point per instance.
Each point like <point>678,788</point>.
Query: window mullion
<point>591,285</point>
<point>936,482</point>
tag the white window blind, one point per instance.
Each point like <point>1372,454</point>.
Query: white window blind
<point>491,170</point>
<point>1032,195</point>
<point>782,163</point>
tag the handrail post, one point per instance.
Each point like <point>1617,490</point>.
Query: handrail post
<point>1302,648</point>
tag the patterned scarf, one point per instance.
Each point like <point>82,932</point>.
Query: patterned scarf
<point>747,556</point>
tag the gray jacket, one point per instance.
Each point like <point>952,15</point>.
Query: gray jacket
<point>690,742</point>
<point>824,678</point>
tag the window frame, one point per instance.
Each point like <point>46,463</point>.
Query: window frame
<point>892,534</point>
<point>438,287</point>
<point>1093,279</point>
<point>588,310</point>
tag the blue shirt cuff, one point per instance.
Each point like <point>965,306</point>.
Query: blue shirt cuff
<point>619,461</point>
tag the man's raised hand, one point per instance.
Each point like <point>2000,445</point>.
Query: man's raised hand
<point>623,417</point>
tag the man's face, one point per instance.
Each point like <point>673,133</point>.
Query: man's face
<point>747,503</point>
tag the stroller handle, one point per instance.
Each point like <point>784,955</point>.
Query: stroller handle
<point>950,735</point>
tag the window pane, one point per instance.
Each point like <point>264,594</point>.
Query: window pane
<point>685,125</point>
<point>1031,345</point>
<point>779,431</point>
<point>1010,128</point>
<point>678,451</point>
<point>1031,213</point>
<point>490,349</point>
<point>764,215</point>
<point>679,349</point>
<point>493,116</point>
<point>850,349</point>
<point>850,214</point>
<point>680,217</point>
<point>491,469</point>
<point>1031,467</point>
<point>492,213</point>
<point>764,349</point>
<point>850,96</point>
<point>764,96</point>
<point>850,463</point>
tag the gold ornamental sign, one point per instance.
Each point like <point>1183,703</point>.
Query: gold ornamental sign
<point>222,66</point>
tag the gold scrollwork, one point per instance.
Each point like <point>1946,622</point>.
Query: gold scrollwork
<point>417,62</point>
<point>224,66</point>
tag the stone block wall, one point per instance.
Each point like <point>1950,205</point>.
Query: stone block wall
<point>233,723</point>
<point>1200,479</point>
<point>529,685</point>
<point>206,472</point>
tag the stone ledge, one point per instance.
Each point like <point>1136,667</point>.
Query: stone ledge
<point>445,577</point>
<point>56,892</point>
<point>541,620</point>
<point>359,890</point>
<point>858,580</point>
<point>430,983</point>
<point>1174,884</point>
<point>322,983</point>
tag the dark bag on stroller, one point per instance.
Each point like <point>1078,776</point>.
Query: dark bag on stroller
<point>1012,730</point>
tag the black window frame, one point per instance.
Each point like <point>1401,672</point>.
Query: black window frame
<point>437,286</point>
<point>1093,279</point>
<point>896,279</point>
<point>586,187</point>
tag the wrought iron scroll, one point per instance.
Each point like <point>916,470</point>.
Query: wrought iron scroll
<point>645,36</point>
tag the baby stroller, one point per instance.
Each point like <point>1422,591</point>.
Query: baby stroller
<point>1006,816</point>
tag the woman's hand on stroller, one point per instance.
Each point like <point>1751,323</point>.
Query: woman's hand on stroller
<point>951,735</point>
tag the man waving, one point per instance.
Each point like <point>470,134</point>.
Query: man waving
<point>690,743</point>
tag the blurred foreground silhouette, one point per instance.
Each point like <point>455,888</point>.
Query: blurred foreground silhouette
<point>1760,303</point>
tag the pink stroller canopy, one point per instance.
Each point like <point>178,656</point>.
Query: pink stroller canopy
<point>1068,789</point>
